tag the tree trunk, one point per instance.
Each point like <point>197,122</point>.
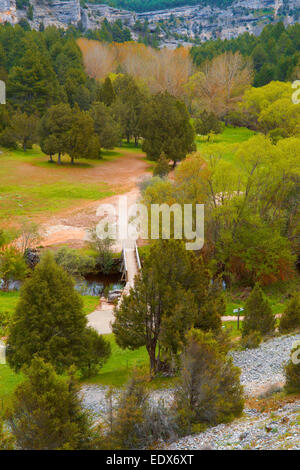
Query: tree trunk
<point>59,159</point>
<point>174,163</point>
<point>51,159</point>
<point>72,160</point>
<point>136,141</point>
<point>153,362</point>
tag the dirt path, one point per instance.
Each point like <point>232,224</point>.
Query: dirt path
<point>71,226</point>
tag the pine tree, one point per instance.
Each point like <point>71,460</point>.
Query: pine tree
<point>47,413</point>
<point>290,319</point>
<point>258,314</point>
<point>32,84</point>
<point>81,141</point>
<point>49,321</point>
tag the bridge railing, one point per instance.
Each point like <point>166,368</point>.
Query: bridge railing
<point>138,257</point>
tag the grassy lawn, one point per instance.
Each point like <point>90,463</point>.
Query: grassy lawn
<point>8,302</point>
<point>233,329</point>
<point>8,382</point>
<point>121,362</point>
<point>30,185</point>
<point>89,303</point>
<point>277,307</point>
<point>277,303</point>
<point>230,139</point>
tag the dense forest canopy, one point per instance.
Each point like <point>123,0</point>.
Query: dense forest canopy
<point>148,5</point>
<point>275,53</point>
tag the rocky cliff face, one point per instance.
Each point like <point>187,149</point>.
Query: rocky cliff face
<point>56,12</point>
<point>8,11</point>
<point>92,15</point>
<point>61,13</point>
<point>184,23</point>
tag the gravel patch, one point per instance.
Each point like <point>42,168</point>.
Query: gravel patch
<point>261,369</point>
<point>264,366</point>
<point>260,431</point>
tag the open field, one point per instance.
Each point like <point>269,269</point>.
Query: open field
<point>31,186</point>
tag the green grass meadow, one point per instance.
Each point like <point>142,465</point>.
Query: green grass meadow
<point>230,140</point>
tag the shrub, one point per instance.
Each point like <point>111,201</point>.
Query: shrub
<point>290,319</point>
<point>12,266</point>
<point>74,263</point>
<point>252,340</point>
<point>5,321</point>
<point>47,413</point>
<point>258,314</point>
<point>162,168</point>
<point>138,422</point>
<point>210,391</point>
<point>7,441</point>
<point>8,139</point>
<point>105,257</point>
<point>292,372</point>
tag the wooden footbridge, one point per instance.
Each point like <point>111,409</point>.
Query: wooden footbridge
<point>131,264</point>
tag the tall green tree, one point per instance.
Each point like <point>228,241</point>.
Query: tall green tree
<point>32,84</point>
<point>166,128</point>
<point>49,321</point>
<point>54,128</point>
<point>81,140</point>
<point>171,294</point>
<point>128,106</point>
<point>107,129</point>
